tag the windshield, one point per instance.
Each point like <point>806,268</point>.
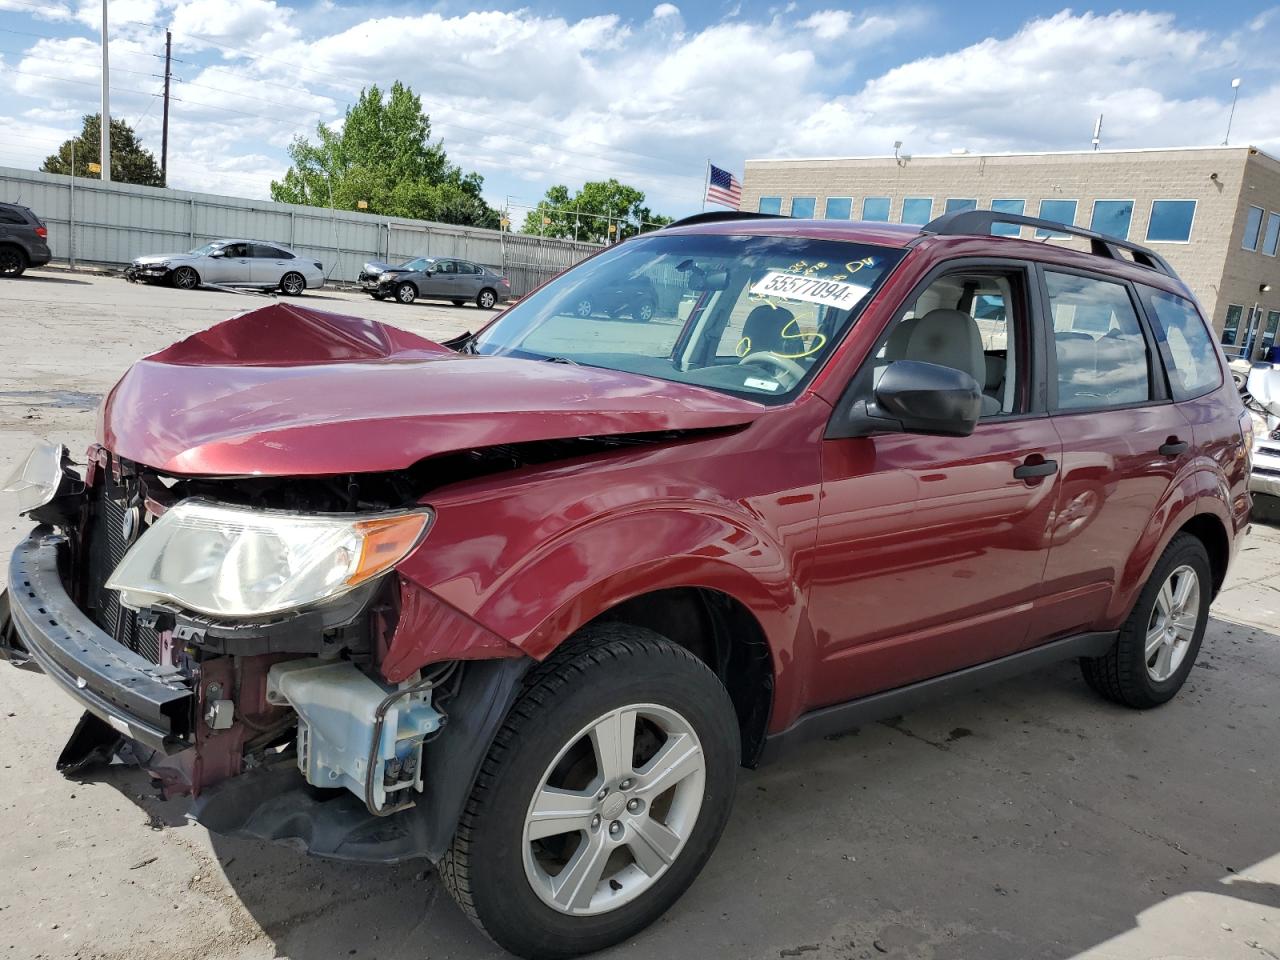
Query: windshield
<point>421,263</point>
<point>208,248</point>
<point>748,315</point>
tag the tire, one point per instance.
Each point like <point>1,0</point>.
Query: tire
<point>458,303</point>
<point>13,262</point>
<point>547,742</point>
<point>185,278</point>
<point>378,296</point>
<point>292,284</point>
<point>1129,673</point>
<point>406,292</point>
<point>643,311</point>
<point>486,299</point>
<point>583,307</point>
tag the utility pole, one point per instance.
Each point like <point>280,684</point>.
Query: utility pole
<point>1235,95</point>
<point>164,136</point>
<point>105,124</point>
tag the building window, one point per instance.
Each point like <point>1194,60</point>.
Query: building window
<point>1059,211</point>
<point>1016,207</point>
<point>1272,236</point>
<point>1232,325</point>
<point>917,210</point>
<point>1252,228</point>
<point>1112,217</point>
<point>770,205</point>
<point>839,208</point>
<point>1269,332</point>
<point>802,207</point>
<point>875,208</point>
<point>955,204</point>
<point>1171,221</point>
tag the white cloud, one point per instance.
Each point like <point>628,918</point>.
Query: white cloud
<point>42,11</point>
<point>664,10</point>
<point>828,24</point>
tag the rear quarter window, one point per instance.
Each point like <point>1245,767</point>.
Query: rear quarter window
<point>1189,350</point>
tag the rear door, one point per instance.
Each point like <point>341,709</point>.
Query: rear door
<point>470,280</point>
<point>1124,441</point>
<point>269,264</point>
<point>931,549</point>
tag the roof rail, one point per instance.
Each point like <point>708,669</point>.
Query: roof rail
<point>979,222</point>
<point>719,216</point>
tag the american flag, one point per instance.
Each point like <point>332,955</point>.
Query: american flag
<point>723,188</point>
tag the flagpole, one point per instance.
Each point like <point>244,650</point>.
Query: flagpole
<point>706,185</point>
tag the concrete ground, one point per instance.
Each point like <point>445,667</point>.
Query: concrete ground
<point>1029,820</point>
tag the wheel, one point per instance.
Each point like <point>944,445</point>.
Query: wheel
<point>406,292</point>
<point>458,303</point>
<point>185,278</point>
<point>583,307</point>
<point>486,299</point>
<point>292,284</point>
<point>1159,642</point>
<point>378,296</point>
<point>643,311</point>
<point>13,262</point>
<point>603,795</point>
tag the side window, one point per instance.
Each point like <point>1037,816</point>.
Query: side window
<point>1102,356</point>
<point>236,250</point>
<point>263,252</point>
<point>446,266</point>
<point>465,267</point>
<point>11,216</point>
<point>975,322</point>
<point>1194,357</point>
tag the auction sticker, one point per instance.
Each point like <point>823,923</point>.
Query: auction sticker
<point>792,286</point>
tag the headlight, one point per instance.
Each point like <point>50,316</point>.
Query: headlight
<point>237,562</point>
<point>386,276</point>
<point>35,481</point>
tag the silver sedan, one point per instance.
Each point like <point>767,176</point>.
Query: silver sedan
<point>232,263</point>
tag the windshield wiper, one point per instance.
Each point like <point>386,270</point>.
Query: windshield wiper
<point>572,363</point>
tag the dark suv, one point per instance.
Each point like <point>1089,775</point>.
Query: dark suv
<point>23,240</point>
<point>522,603</point>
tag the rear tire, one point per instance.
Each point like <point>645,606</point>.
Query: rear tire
<point>13,262</point>
<point>185,278</point>
<point>486,298</point>
<point>1157,645</point>
<point>549,744</point>
<point>292,284</point>
<point>406,292</point>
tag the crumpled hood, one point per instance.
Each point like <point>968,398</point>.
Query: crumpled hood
<point>289,391</point>
<point>163,257</point>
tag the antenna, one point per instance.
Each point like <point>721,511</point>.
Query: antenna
<point>1235,95</point>
<point>1097,132</point>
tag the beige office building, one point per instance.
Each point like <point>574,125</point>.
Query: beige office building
<point>1212,212</point>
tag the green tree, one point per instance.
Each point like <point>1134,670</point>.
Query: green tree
<point>384,155</point>
<point>130,163</point>
<point>587,214</point>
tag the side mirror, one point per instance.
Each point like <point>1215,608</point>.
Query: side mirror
<point>217,253</point>
<point>914,397</point>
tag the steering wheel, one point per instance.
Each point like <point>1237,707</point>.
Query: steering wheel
<point>784,364</point>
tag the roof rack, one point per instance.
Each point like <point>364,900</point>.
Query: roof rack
<point>718,216</point>
<point>979,222</point>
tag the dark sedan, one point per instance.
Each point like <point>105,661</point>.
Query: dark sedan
<point>435,278</point>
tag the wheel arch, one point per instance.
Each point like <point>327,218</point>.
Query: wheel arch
<point>18,249</point>
<point>1210,530</point>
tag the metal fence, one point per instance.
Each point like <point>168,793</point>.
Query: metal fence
<point>109,224</point>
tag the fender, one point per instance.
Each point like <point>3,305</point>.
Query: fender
<point>1197,491</point>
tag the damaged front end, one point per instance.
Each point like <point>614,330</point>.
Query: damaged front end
<point>226,636</point>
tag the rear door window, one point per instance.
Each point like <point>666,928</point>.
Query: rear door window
<point>1100,350</point>
<point>1191,356</point>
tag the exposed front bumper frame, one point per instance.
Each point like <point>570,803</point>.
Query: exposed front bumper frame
<point>146,702</point>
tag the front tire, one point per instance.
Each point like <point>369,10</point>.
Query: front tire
<point>406,292</point>
<point>1158,644</point>
<point>185,278</point>
<point>601,798</point>
<point>13,262</point>
<point>292,284</point>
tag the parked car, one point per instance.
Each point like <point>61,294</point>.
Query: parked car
<point>383,598</point>
<point>232,263</point>
<point>24,240</point>
<point>435,278</point>
<point>632,297</point>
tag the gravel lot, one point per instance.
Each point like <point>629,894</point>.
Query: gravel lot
<point>1028,820</point>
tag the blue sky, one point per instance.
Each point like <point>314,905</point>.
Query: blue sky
<point>563,92</point>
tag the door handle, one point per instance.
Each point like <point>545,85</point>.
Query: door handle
<point>1174,448</point>
<point>1035,470</point>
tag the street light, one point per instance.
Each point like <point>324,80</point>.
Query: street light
<point>1235,95</point>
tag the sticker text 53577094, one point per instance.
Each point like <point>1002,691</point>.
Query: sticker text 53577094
<point>790,286</point>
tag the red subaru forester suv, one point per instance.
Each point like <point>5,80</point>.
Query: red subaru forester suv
<point>521,603</point>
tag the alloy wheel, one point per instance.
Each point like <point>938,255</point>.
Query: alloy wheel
<point>1173,623</point>
<point>184,278</point>
<point>614,809</point>
<point>293,284</point>
<point>405,294</point>
<point>487,299</point>
<point>10,263</point>
<point>583,308</point>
